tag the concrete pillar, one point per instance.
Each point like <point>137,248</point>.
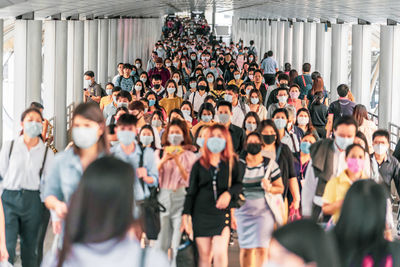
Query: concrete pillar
<point>130,44</point>
<point>1,81</point>
<point>126,41</point>
<point>55,80</point>
<point>28,66</point>
<point>112,49</point>
<point>280,43</point>
<point>309,44</point>
<point>120,41</point>
<point>297,52</point>
<point>361,64</point>
<point>75,62</point>
<point>91,46</point>
<point>323,53</point>
<point>267,36</point>
<point>389,80</point>
<point>274,36</point>
<point>340,63</point>
<point>102,77</point>
<point>288,43</point>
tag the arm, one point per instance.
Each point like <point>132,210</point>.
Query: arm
<point>332,208</point>
<point>293,183</point>
<point>52,194</point>
<point>152,172</point>
<point>331,204</point>
<point>329,125</point>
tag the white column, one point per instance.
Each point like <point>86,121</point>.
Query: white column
<point>55,81</point>
<point>361,64</point>
<point>288,42</point>
<point>280,43</point>
<point>91,46</point>
<point>389,79</point>
<point>274,36</point>
<point>120,42</point>
<point>309,44</point>
<point>340,63</point>
<point>75,62</point>
<point>28,66</point>
<point>102,77</point>
<point>297,52</point>
<point>112,49</point>
<point>126,41</point>
<point>323,53</point>
<point>1,80</point>
<point>268,29</point>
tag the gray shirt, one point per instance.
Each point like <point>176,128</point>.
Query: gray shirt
<point>269,65</point>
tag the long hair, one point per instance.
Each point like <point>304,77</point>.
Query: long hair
<point>91,111</point>
<point>187,140</point>
<point>292,75</point>
<point>269,122</point>
<point>360,113</point>
<point>101,208</point>
<point>317,86</point>
<point>310,126</point>
<point>227,154</point>
<point>359,231</point>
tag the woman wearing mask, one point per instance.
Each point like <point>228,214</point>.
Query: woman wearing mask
<point>172,101</point>
<point>366,126</point>
<point>145,79</point>
<point>281,153</point>
<point>254,220</point>
<point>106,192</point>
<point>337,187</point>
<point>256,105</point>
<point>294,93</point>
<point>154,105</point>
<point>288,137</point>
<point>319,114</point>
<point>205,116</point>
<point>236,79</point>
<point>198,96</point>
<point>89,143</point>
<point>24,163</point>
<point>219,89</point>
<point>216,71</point>
<point>138,90</point>
<point>210,81</point>
<point>210,191</point>
<point>174,170</point>
<point>187,110</point>
<point>146,137</point>
<point>251,122</point>
<point>199,139</point>
<point>222,65</point>
<point>158,122</point>
<point>176,77</point>
<point>303,122</point>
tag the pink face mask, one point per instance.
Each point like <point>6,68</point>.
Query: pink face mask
<point>355,165</point>
<point>294,95</point>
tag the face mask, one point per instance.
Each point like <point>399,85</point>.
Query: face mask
<point>156,123</point>
<point>355,165</point>
<point>220,87</point>
<point>280,123</point>
<point>380,149</point>
<point>168,65</point>
<point>138,87</point>
<point>253,148</point>
<point>343,142</point>
<point>251,58</point>
<point>122,104</point>
<point>126,137</point>
<point>146,140</point>
<point>33,129</point>
<point>305,147</point>
<point>193,85</point>
<point>210,80</point>
<point>254,101</point>
<point>251,127</point>
<point>186,113</point>
<point>248,91</point>
<point>251,77</point>
<point>176,80</point>
<point>224,118</point>
<point>228,98</point>
<point>84,137</point>
<point>138,65</point>
<point>200,141</point>
<point>303,120</point>
<point>183,61</point>
<point>193,57</point>
<point>282,99</point>
<point>133,73</point>
<point>184,53</point>
<point>206,118</point>
<point>269,138</point>
<point>213,64</point>
<point>87,83</point>
<point>216,144</point>
<point>202,87</point>
<point>151,102</point>
<point>175,64</point>
<point>237,76</point>
<point>175,139</point>
<point>109,91</point>
<point>157,86</point>
<point>294,95</point>
<point>171,90</point>
<point>143,79</point>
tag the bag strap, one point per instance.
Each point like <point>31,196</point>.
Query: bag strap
<point>242,106</point>
<point>44,162</point>
<point>119,80</point>
<point>294,143</point>
<point>11,149</point>
<point>143,257</point>
<point>141,163</point>
<point>268,171</point>
<point>194,95</point>
<point>278,153</point>
<point>304,81</point>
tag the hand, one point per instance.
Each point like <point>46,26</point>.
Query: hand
<point>57,227</point>
<point>223,201</point>
<point>61,209</point>
<point>86,93</point>
<point>141,172</point>
<point>266,185</point>
<point>295,205</point>
<point>3,252</point>
<point>186,226</point>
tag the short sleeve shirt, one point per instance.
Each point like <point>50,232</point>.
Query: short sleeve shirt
<point>269,65</point>
<point>94,90</point>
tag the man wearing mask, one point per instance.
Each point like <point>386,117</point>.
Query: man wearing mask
<point>157,86</point>
<point>282,96</point>
<point>120,69</point>
<point>271,96</point>
<point>92,91</point>
<point>224,115</point>
<point>239,107</point>
<point>152,61</point>
<point>126,81</point>
<point>327,161</point>
<point>258,83</point>
<point>112,98</point>
<point>159,69</point>
<point>122,100</point>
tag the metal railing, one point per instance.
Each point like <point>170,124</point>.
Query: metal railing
<point>70,111</point>
<point>374,117</point>
<point>394,131</point>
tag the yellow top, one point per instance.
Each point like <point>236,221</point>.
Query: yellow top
<point>238,84</point>
<point>170,103</point>
<point>105,100</point>
<point>336,190</point>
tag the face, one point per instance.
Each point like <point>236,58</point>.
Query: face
<point>202,83</point>
<point>224,110</point>
<point>280,115</point>
<point>254,95</point>
<point>87,77</point>
<point>157,82</point>
<point>175,115</point>
<point>380,140</point>
<point>309,139</point>
<point>282,93</point>
<point>294,90</point>
<point>120,67</point>
<point>257,77</point>
<point>159,65</point>
<point>268,130</point>
<point>176,76</point>
<point>356,153</point>
<point>186,107</point>
<point>151,97</point>
<point>251,120</point>
<point>253,139</point>
<point>109,87</point>
<point>175,130</point>
<point>127,71</point>
<point>302,114</point>
<point>146,132</point>
<point>345,131</point>
<point>80,121</point>
<point>284,258</point>
<point>130,128</point>
<point>123,100</point>
<point>217,133</point>
<point>31,117</point>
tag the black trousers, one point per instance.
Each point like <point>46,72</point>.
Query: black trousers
<point>42,233</point>
<point>269,79</point>
<point>23,215</point>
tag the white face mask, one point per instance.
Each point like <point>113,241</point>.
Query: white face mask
<point>380,149</point>
<point>84,137</point>
<point>87,83</point>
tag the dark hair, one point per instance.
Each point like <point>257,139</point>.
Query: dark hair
<point>233,88</point>
<point>257,134</point>
<point>281,110</point>
<point>317,86</point>
<point>359,231</point>
<point>136,105</point>
<point>251,114</point>
<point>315,75</point>
<point>342,90</point>
<point>124,94</point>
<point>350,147</point>
<point>288,67</point>
<point>224,103</point>
<point>292,75</point>
<point>105,191</point>
<point>310,126</point>
<point>120,64</point>
<point>308,241</point>
<point>89,73</point>
<point>306,67</point>
<point>360,113</point>
<point>187,140</point>
<point>257,70</point>
<point>270,123</point>
<point>177,111</point>
<point>127,119</point>
<point>270,53</point>
<point>362,137</point>
<point>283,76</point>
<point>208,98</point>
<point>29,110</point>
<point>381,132</point>
<point>206,106</point>
<point>156,105</point>
<point>251,42</point>
<point>127,66</point>
<point>36,105</point>
<point>175,86</point>
<point>156,77</point>
<point>160,115</point>
<point>148,127</point>
<point>347,120</point>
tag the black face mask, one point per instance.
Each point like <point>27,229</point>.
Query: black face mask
<point>157,86</point>
<point>202,88</point>
<point>269,138</point>
<point>253,148</point>
<point>220,87</point>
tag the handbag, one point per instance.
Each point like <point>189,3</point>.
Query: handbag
<point>186,256</point>
<point>275,202</point>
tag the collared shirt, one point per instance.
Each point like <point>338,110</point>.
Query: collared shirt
<point>196,99</point>
<point>291,140</point>
<point>149,162</point>
<point>21,169</point>
<point>388,170</point>
<point>269,65</point>
<point>239,114</point>
<point>275,106</point>
<point>109,110</point>
<point>94,90</point>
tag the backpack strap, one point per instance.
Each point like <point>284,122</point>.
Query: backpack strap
<point>11,149</point>
<point>278,153</point>
<point>44,162</point>
<point>141,163</point>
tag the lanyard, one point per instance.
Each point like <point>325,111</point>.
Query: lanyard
<point>214,182</point>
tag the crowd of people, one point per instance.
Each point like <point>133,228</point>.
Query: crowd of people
<point>204,140</point>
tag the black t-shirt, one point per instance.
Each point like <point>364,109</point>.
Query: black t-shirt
<point>340,108</point>
<point>238,136</point>
<point>319,114</point>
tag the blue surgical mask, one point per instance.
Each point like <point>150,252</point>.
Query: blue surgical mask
<point>175,139</point>
<point>156,123</point>
<point>109,91</point>
<point>84,137</point>
<point>280,123</point>
<point>224,118</point>
<point>193,85</point>
<point>254,101</point>
<point>200,141</point>
<point>152,102</point>
<point>146,140</point>
<point>171,90</point>
<point>210,80</point>
<point>126,137</point>
<point>122,104</point>
<point>343,142</point>
<point>206,118</point>
<point>228,98</point>
<point>216,144</point>
<point>251,127</point>
<point>33,129</point>
<point>305,147</point>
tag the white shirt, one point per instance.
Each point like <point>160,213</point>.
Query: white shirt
<point>21,169</point>
<point>293,144</point>
<point>238,114</point>
<point>196,99</point>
